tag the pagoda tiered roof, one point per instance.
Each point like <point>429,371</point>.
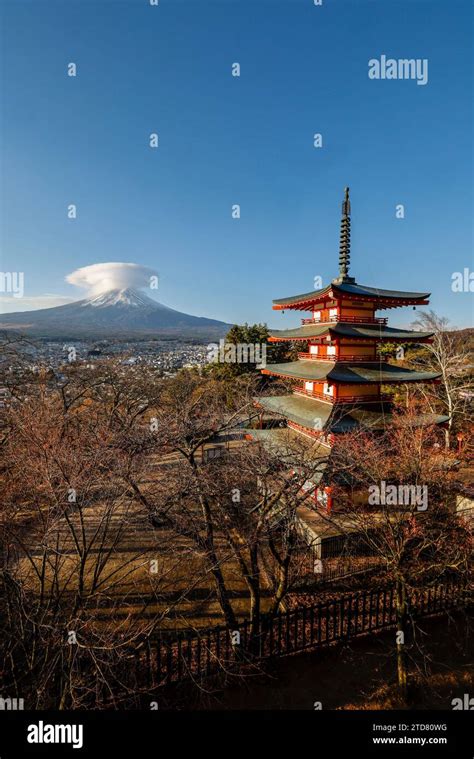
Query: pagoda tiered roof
<point>320,417</point>
<point>306,412</point>
<point>355,292</point>
<point>376,332</point>
<point>348,372</point>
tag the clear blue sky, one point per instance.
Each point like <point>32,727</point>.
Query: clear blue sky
<point>227,140</point>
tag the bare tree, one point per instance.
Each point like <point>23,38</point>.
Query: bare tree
<point>448,353</point>
<point>84,579</point>
<point>398,501</point>
<point>239,509</point>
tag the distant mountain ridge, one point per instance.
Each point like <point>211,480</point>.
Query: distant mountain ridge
<point>118,312</point>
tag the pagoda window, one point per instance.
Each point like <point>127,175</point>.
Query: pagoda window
<point>333,313</point>
<point>328,389</point>
<point>313,349</point>
<point>331,350</point>
<point>317,316</point>
<point>308,386</point>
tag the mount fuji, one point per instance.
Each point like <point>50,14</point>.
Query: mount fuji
<point>115,313</point>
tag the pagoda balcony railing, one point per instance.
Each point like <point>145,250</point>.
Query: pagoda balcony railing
<point>314,394</point>
<point>348,319</point>
<point>381,397</point>
<point>317,357</point>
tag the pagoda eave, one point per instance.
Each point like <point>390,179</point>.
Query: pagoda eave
<point>423,340</point>
<point>341,331</point>
<point>320,419</point>
<point>381,303</point>
<point>382,299</point>
<point>433,380</point>
<point>348,372</point>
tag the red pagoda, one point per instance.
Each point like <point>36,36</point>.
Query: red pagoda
<point>340,375</point>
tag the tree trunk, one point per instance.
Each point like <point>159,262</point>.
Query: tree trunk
<point>446,438</point>
<point>221,589</point>
<point>447,431</point>
<point>254,585</point>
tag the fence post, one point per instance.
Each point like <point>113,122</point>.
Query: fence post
<point>377,610</point>
<point>349,617</point>
<point>391,608</point>
<point>189,653</point>
<point>356,613</point>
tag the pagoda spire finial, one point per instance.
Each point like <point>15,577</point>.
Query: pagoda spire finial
<point>345,241</point>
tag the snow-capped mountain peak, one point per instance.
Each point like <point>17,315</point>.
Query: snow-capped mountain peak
<point>124,297</point>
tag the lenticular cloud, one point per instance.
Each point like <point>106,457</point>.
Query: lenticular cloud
<point>99,278</point>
